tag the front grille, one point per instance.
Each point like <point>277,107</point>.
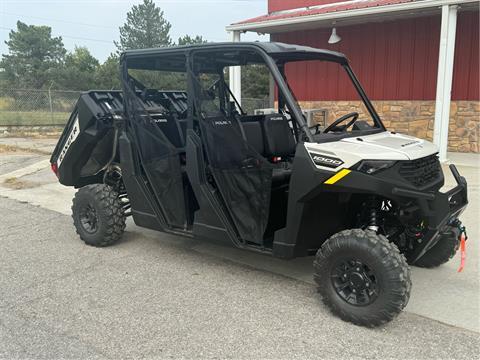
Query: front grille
<point>422,171</point>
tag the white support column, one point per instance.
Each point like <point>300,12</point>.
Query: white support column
<point>271,91</point>
<point>444,78</point>
<point>236,74</point>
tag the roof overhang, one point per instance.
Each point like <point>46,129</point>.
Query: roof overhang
<point>304,19</point>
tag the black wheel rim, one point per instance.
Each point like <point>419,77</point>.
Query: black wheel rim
<point>89,219</point>
<point>355,282</point>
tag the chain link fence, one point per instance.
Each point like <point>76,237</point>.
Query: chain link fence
<point>28,107</point>
<point>252,104</point>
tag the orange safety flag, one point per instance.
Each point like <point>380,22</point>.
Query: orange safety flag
<point>463,254</point>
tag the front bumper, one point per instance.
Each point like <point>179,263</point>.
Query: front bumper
<point>440,209</point>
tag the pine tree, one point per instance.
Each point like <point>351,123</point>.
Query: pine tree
<point>145,28</point>
<point>34,56</point>
<point>189,40</point>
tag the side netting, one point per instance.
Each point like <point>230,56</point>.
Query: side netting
<point>243,176</point>
<point>160,160</point>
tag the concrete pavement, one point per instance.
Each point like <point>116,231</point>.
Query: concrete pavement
<point>154,296</point>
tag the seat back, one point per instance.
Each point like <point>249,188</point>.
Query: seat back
<point>169,126</point>
<point>254,135</point>
<point>224,141</point>
<point>279,139</point>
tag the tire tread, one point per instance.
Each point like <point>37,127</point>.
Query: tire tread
<point>110,207</point>
<point>393,261</point>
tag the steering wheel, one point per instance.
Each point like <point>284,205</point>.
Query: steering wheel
<point>334,126</point>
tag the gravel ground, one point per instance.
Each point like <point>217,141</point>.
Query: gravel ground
<point>153,296</point>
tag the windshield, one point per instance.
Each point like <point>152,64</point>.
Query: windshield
<point>329,100</point>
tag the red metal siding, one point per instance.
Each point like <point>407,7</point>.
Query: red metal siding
<point>466,76</point>
<point>278,5</point>
<point>394,60</point>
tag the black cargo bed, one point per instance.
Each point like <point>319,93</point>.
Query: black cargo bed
<point>87,143</point>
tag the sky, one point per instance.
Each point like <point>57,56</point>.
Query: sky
<point>95,23</point>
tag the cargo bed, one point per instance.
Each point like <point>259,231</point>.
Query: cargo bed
<point>88,142</point>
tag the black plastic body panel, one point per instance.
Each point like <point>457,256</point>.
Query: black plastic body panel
<point>300,228</point>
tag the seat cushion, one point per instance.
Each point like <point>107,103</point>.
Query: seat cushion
<point>281,174</point>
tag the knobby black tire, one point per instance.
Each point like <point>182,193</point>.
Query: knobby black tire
<point>445,249</point>
<point>111,217</point>
<point>389,265</point>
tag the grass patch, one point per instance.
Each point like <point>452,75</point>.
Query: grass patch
<point>17,184</point>
<point>50,134</point>
<point>4,149</point>
<point>33,118</point>
<point>8,149</point>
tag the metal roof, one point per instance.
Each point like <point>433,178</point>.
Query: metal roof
<point>323,9</point>
<point>344,13</point>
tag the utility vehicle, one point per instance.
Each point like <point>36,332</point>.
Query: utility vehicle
<point>191,161</point>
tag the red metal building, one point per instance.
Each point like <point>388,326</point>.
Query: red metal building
<point>408,55</point>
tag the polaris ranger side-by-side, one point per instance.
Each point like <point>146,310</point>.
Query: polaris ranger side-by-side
<point>193,162</point>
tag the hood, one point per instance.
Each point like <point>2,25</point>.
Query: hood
<point>381,146</point>
<point>410,147</point>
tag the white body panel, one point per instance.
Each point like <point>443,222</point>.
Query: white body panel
<point>381,146</point>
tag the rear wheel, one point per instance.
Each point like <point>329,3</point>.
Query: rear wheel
<point>98,215</point>
<point>445,249</point>
<point>362,277</point>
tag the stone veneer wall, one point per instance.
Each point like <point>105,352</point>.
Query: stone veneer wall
<point>416,118</point>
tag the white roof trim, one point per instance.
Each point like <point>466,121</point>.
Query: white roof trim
<point>412,6</point>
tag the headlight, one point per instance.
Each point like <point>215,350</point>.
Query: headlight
<point>373,166</point>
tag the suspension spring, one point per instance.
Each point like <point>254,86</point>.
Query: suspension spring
<point>373,223</point>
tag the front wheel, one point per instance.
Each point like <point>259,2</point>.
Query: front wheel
<point>362,277</point>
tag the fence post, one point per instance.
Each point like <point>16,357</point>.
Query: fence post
<point>50,102</point>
